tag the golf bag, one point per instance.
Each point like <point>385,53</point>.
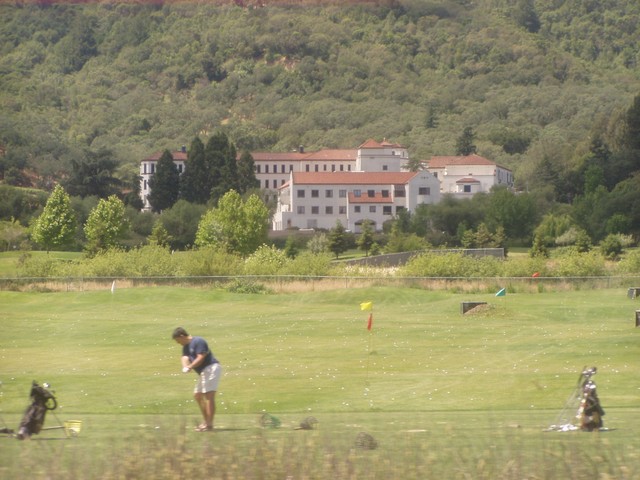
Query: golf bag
<point>42,400</point>
<point>590,412</point>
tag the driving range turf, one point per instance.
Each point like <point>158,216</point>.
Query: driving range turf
<point>444,395</point>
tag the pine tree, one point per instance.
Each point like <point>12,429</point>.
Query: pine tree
<point>246,173</point>
<point>164,183</point>
<point>338,239</point>
<point>366,241</point>
<point>220,155</point>
<point>195,186</point>
<point>464,145</point>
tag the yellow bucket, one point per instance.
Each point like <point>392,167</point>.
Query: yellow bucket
<point>72,427</point>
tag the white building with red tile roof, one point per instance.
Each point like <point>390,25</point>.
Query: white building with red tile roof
<point>464,176</point>
<point>318,200</point>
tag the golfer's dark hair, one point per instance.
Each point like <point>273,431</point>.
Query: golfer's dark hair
<point>179,332</point>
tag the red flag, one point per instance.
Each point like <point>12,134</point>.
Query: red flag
<point>536,275</point>
<point>370,322</point>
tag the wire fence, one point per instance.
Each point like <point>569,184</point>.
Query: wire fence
<point>293,283</point>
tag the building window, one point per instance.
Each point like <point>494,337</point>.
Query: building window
<point>283,168</point>
<point>342,193</point>
<point>291,168</point>
<point>356,209</point>
<point>399,192</point>
<point>266,184</point>
<point>467,189</point>
<point>266,169</point>
<point>424,191</point>
<point>324,167</point>
<point>315,210</point>
<point>328,193</point>
<point>153,168</point>
<point>342,210</point>
<point>384,168</point>
<point>341,168</point>
<point>315,193</point>
<point>357,193</point>
<point>385,193</point>
<point>328,210</point>
<point>300,194</point>
<point>300,209</point>
<point>307,167</point>
<point>371,193</point>
<point>372,209</point>
<point>258,168</point>
<point>333,168</point>
<point>349,167</point>
<point>275,184</point>
<point>316,168</point>
<point>399,210</point>
<point>386,210</point>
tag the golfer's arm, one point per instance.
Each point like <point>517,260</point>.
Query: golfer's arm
<point>199,359</point>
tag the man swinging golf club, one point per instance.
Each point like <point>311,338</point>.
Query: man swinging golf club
<point>196,356</point>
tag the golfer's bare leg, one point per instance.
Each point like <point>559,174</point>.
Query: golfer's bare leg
<point>207,403</point>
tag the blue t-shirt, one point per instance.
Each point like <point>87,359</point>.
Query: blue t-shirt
<point>195,347</point>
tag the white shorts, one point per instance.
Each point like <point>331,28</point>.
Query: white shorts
<point>208,379</point>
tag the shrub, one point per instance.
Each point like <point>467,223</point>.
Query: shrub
<point>630,263</point>
<point>308,263</point>
<point>39,266</point>
<point>611,246</point>
<point>573,263</point>
<point>524,267</point>
<point>450,265</point>
<point>266,260</point>
<point>209,261</point>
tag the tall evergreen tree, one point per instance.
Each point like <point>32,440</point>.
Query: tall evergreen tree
<point>164,184</point>
<point>94,175</point>
<point>338,239</point>
<point>465,145</point>
<point>246,173</point>
<point>194,183</point>
<point>221,157</point>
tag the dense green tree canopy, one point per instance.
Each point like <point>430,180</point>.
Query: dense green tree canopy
<point>234,225</point>
<point>107,225</point>
<point>56,225</point>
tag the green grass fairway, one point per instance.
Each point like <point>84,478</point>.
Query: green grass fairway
<point>446,395</point>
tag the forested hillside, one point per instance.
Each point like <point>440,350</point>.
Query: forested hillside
<point>546,86</point>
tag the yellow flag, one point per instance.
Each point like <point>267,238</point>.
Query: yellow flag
<point>366,306</point>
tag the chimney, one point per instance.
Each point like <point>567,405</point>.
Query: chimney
<point>184,149</point>
<point>300,148</point>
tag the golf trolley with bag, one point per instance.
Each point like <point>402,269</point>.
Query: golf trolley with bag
<point>585,402</point>
<point>43,400</point>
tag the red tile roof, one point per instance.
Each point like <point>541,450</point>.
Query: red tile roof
<point>352,178</point>
<point>468,180</point>
<point>371,143</point>
<point>444,161</point>
<point>336,154</point>
<point>178,155</point>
